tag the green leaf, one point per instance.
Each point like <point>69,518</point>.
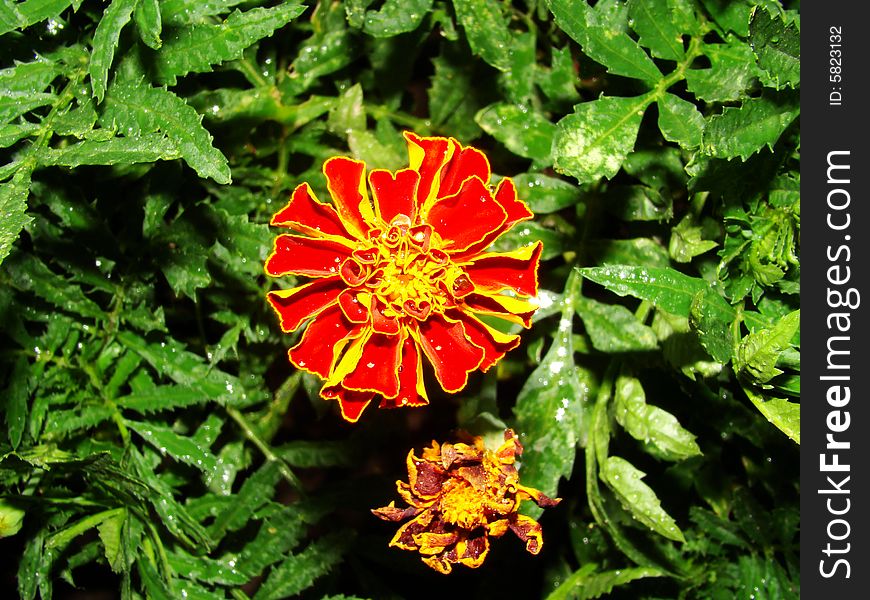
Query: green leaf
<point>161,398</point>
<point>687,242</point>
<point>190,370</point>
<point>650,424</point>
<point>667,289</point>
<point>586,583</point>
<point>146,148</point>
<point>29,273</point>
<point>638,203</point>
<point>559,82</point>
<point>299,571</point>
<point>594,140</point>
<point>486,31</point>
<point>551,408</point>
<point>29,12</point>
<point>637,251</point>
<point>114,19</point>
<point>523,131</point>
<point>777,44</point>
<point>31,77</point>
<point>141,109</point>
<point>15,401</point>
<point>602,43</point>
<point>656,29</point>
<point>256,491</point>
<point>785,415</point>
<point>743,131</point>
<point>453,97</point>
<point>12,133</point>
<point>179,447</point>
<point>149,23</point>
<point>758,352</point>
<point>110,534</point>
<point>545,194</point>
<point>732,71</point>
<point>625,480</point>
<point>13,204</point>
<point>613,328</point>
<point>15,104</point>
<point>395,17</point>
<point>714,332</point>
<point>731,15</point>
<point>200,568</point>
<point>195,49</point>
<point>193,12</point>
<point>680,121</point>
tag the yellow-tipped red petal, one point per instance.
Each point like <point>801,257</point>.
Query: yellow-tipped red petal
<point>464,163</point>
<point>306,214</point>
<point>378,367</point>
<point>311,257</point>
<point>322,342</point>
<point>296,305</point>
<point>427,156</point>
<point>495,344</point>
<point>452,355</point>
<point>516,271</point>
<point>345,179</point>
<point>466,217</point>
<point>505,307</point>
<point>395,194</point>
<point>412,392</point>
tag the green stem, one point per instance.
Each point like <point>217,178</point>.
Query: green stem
<point>253,437</point>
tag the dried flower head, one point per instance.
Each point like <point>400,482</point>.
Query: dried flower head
<point>402,274</point>
<point>460,495</point>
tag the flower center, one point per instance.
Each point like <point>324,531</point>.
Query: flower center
<point>462,505</point>
<point>404,271</point>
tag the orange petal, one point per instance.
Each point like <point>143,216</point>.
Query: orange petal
<point>312,257</point>
<point>466,217</point>
<point>306,214</point>
<point>466,162</point>
<point>427,155</point>
<point>439,563</point>
<point>538,496</point>
<point>505,307</point>
<point>434,543</point>
<point>451,353</point>
<point>394,194</point>
<point>495,344</point>
<point>322,341</point>
<point>345,179</point>
<point>296,305</point>
<point>516,270</point>
<point>378,366</point>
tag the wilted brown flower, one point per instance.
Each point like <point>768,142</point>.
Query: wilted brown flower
<point>460,495</point>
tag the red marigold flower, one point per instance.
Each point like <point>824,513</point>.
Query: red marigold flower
<point>402,274</point>
<point>460,495</point>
